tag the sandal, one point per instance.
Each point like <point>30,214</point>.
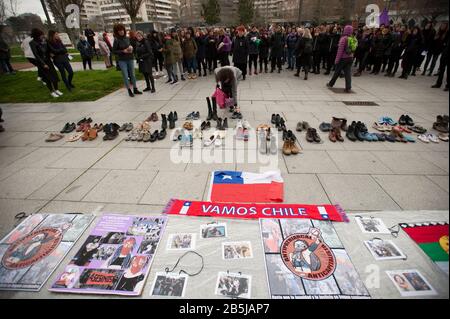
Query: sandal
<point>188,126</point>
<point>54,137</point>
<point>74,137</point>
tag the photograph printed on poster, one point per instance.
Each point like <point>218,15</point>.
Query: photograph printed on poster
<point>281,280</point>
<point>104,252</point>
<point>122,256</point>
<point>271,235</point>
<point>234,285</point>
<point>114,238</point>
<point>410,283</point>
<point>89,248</point>
<point>169,285</point>
<point>149,244</point>
<point>347,277</point>
<point>294,226</point>
<point>384,249</point>
<point>181,242</point>
<point>237,250</point>
<point>68,278</point>
<point>329,234</point>
<point>370,225</point>
<point>215,230</point>
<point>143,226</point>
<point>133,278</point>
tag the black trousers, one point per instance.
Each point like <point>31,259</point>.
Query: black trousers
<point>253,60</point>
<point>263,60</point>
<point>443,65</point>
<point>149,79</point>
<point>393,64</point>
<point>88,62</point>
<point>433,59</point>
<point>276,62</point>
<point>212,63</point>
<point>201,63</point>
<point>33,61</point>
<point>242,67</point>
<point>224,59</point>
<point>346,66</point>
<point>63,67</point>
<point>158,61</point>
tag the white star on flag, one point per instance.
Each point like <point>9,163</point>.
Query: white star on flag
<point>227,177</point>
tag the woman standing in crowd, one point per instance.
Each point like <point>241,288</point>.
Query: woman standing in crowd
<point>240,51</point>
<point>333,48</point>
<point>105,38</point>
<point>211,51</point>
<point>5,57</point>
<point>264,53</point>
<point>169,59</point>
<point>44,63</point>
<point>437,46</point>
<point>200,40</point>
<point>177,55</point>
<point>304,52</point>
<point>156,45</point>
<point>224,48</point>
<point>86,51</point>
<point>124,51</point>
<point>144,55</point>
<point>412,45</point>
<point>228,77</point>
<point>396,52</point>
<point>291,43</point>
<point>189,47</point>
<point>60,58</point>
<point>344,60</point>
<point>253,49</point>
<point>29,54</point>
<point>104,50</point>
<point>276,49</point>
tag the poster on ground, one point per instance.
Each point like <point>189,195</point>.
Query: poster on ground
<point>31,252</point>
<point>305,259</point>
<point>116,257</point>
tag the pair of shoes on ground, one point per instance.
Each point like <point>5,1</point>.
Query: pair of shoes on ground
<point>56,94</point>
<point>267,141</point>
<point>406,120</point>
<point>68,128</point>
<point>279,122</point>
<point>335,135</point>
<point>386,120</point>
<point>214,139</point>
<point>111,131</point>
<point>152,118</point>
<point>427,138</point>
<point>243,130</point>
<point>193,116</point>
<point>442,124</point>
<point>312,136</point>
<point>54,137</point>
<point>302,126</point>
<point>127,127</point>
<point>290,146</point>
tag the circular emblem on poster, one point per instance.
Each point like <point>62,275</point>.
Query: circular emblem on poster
<point>32,248</point>
<point>307,256</point>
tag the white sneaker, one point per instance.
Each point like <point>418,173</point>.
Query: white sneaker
<point>59,92</point>
<point>212,139</point>
<point>54,94</point>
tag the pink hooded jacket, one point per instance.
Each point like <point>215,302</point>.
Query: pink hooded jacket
<point>343,42</point>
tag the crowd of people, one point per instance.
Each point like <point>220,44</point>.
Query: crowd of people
<point>189,53</point>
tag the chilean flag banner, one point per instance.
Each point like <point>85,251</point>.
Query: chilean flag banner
<point>244,187</point>
<point>255,211</point>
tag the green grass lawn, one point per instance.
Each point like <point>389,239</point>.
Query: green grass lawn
<point>90,86</point>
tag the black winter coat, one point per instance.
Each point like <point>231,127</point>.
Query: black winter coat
<point>144,54</point>
<point>277,42</point>
<point>240,50</point>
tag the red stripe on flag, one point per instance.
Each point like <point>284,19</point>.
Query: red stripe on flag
<point>247,193</point>
<point>427,234</point>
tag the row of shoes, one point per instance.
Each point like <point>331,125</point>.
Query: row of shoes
<point>432,138</point>
<point>311,133</point>
<point>85,131</point>
<point>142,133</point>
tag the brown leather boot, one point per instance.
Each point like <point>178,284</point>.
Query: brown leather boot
<point>294,148</point>
<point>332,135</point>
<point>339,135</point>
<point>287,148</point>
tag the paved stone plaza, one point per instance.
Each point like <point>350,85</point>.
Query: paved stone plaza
<point>131,177</point>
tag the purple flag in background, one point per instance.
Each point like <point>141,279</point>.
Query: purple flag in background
<point>384,17</point>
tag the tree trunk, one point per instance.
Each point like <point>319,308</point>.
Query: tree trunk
<point>133,24</point>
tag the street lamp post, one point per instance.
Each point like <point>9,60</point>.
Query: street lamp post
<point>300,9</point>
